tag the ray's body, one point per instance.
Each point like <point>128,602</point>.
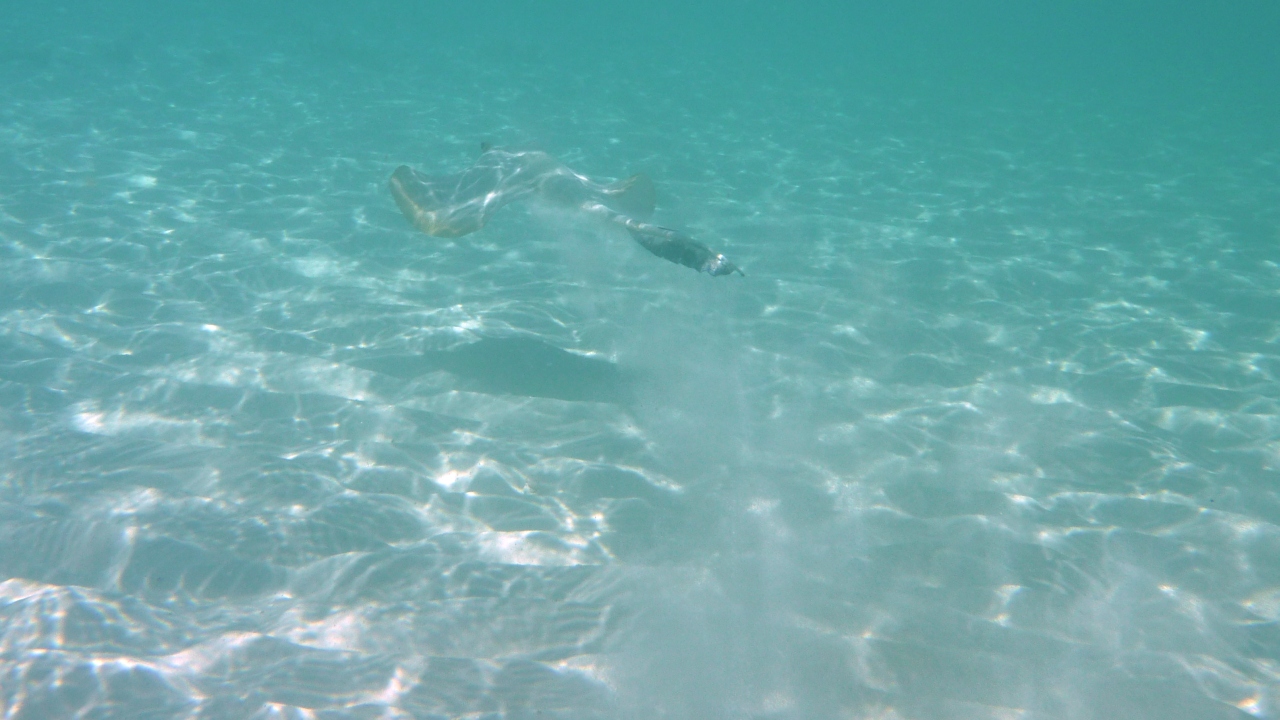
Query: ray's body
<point>457,205</point>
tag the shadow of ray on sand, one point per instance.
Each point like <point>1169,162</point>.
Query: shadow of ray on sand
<point>516,366</point>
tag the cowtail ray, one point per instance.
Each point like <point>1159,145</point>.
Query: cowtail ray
<point>457,205</point>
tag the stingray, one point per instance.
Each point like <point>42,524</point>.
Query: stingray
<point>457,205</point>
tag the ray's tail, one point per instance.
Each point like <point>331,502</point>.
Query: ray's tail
<point>669,244</point>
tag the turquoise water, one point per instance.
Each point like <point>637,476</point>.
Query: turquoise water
<point>990,429</point>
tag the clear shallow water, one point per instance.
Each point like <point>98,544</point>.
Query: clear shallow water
<point>989,430</point>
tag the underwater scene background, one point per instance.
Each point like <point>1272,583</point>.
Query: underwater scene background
<point>990,429</point>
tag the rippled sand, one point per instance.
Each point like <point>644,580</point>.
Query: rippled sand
<point>989,430</point>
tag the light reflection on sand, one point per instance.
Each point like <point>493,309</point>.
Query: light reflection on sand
<point>990,432</point>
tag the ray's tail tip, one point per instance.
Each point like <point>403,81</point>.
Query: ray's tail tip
<point>720,265</point>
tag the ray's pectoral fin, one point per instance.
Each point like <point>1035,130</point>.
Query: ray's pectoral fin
<point>681,249</point>
<point>634,196</point>
<point>429,208</point>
